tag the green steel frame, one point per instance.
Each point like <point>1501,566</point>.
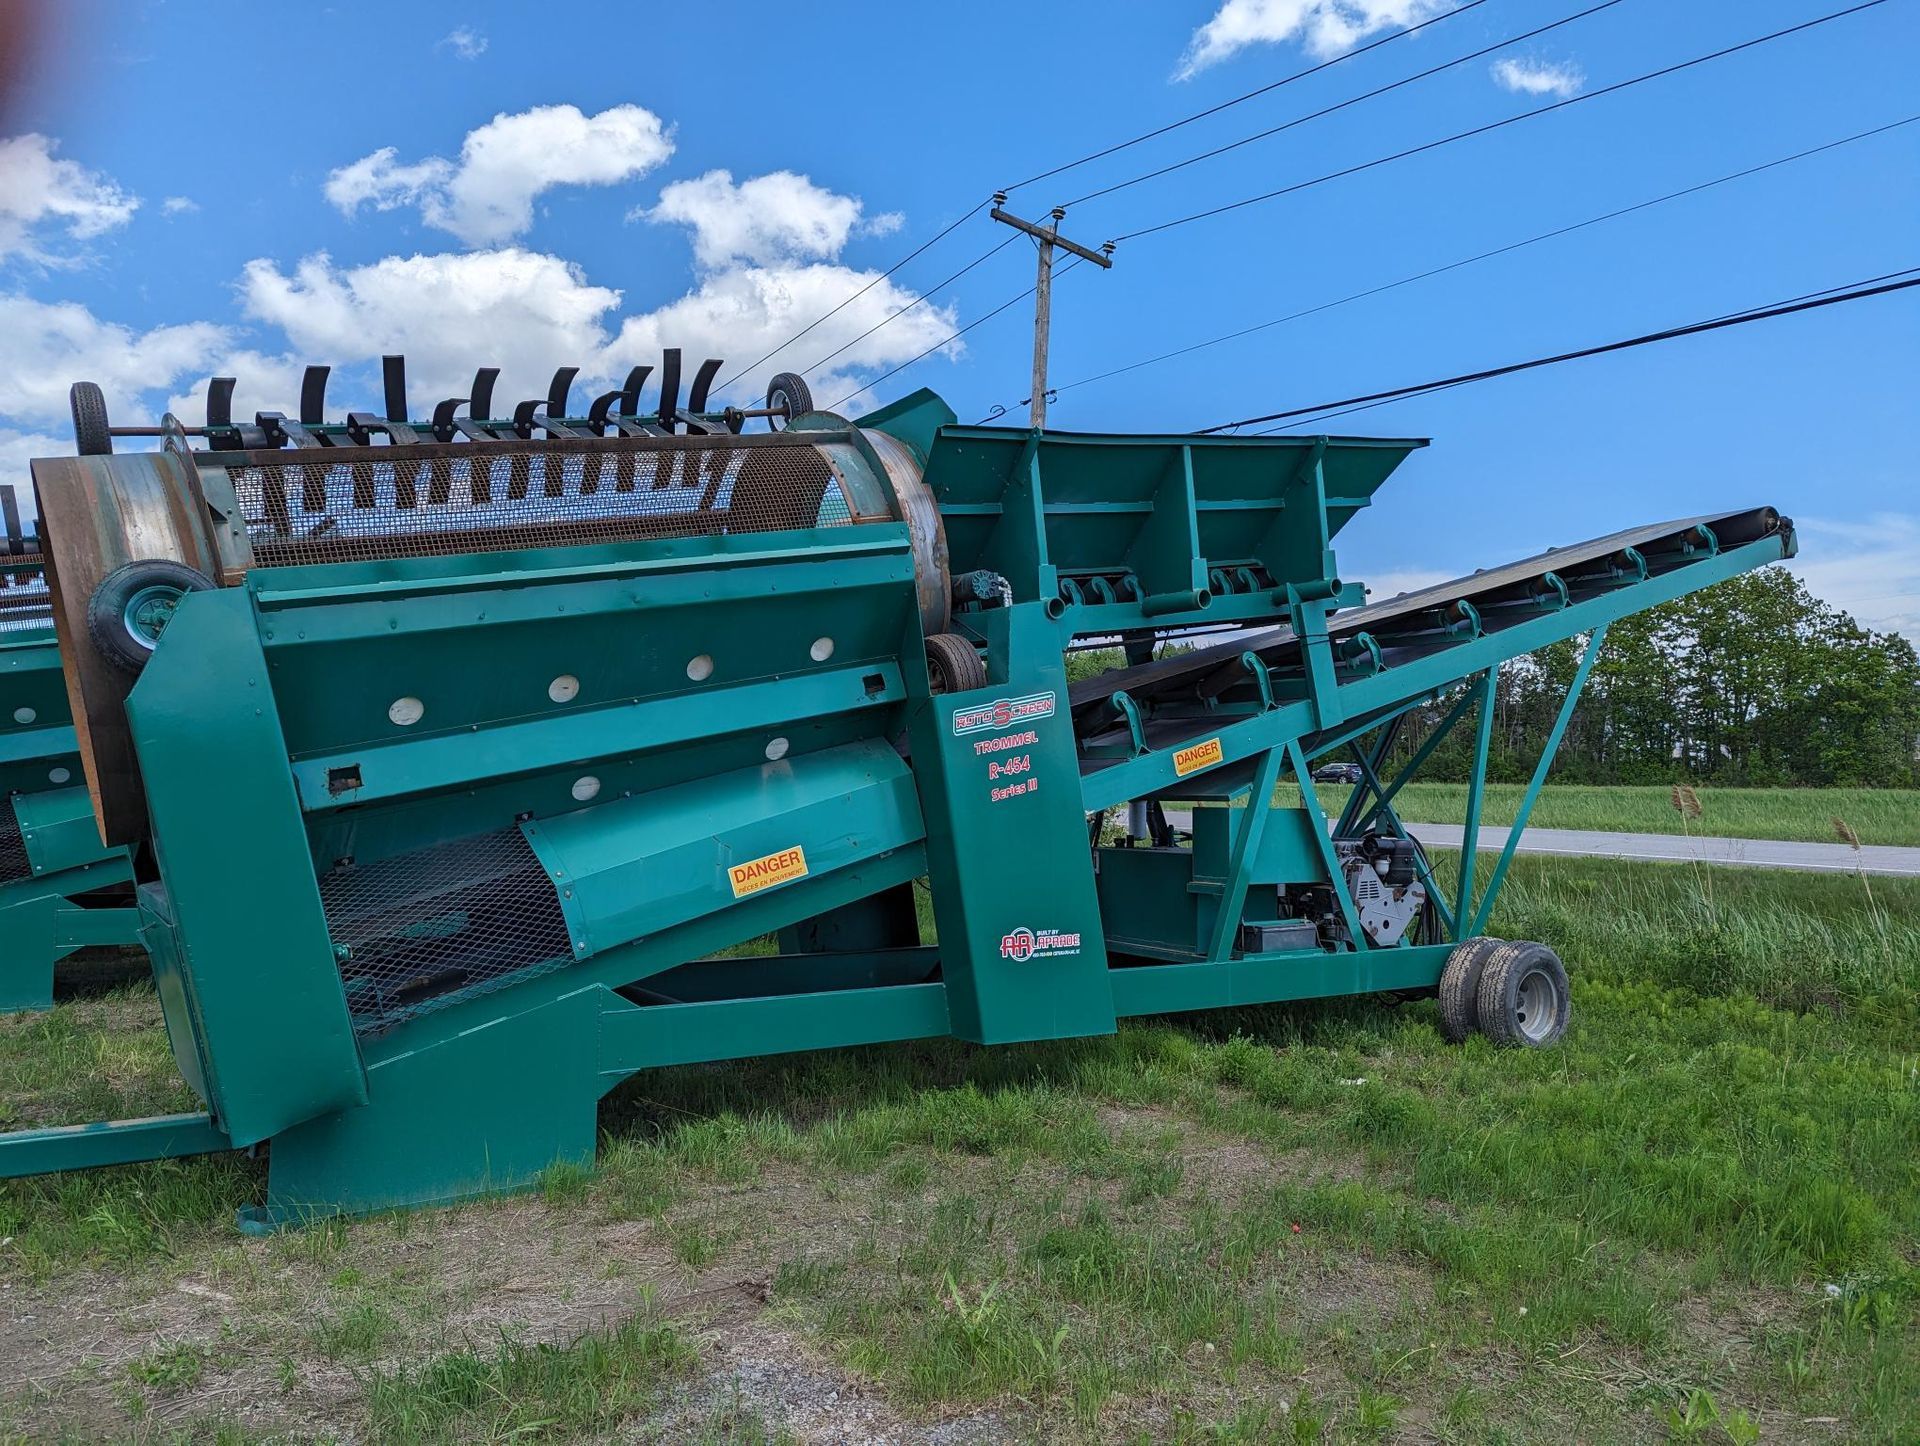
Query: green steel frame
<point>51,900</point>
<point>677,810</point>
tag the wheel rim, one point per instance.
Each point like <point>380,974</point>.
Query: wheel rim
<point>1536,1004</point>
<point>148,612</point>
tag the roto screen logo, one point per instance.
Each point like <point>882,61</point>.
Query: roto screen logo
<point>1002,713</point>
<point>1023,944</point>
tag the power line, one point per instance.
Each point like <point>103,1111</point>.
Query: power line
<point>1535,240</point>
<point>955,225</point>
<point>1833,296</point>
<point>942,235</point>
<point>1746,313</point>
<point>1434,70</point>
<point>1249,95</point>
<point>948,340</point>
<point>1499,124</point>
<point>895,315</point>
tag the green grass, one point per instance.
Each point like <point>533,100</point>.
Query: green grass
<point>1699,1216</point>
<point>1879,815</point>
<point>518,1390</point>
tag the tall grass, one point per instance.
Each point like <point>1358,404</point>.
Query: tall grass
<point>1795,941</point>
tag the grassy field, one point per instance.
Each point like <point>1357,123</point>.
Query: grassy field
<point>1698,1219</point>
<point>1879,815</point>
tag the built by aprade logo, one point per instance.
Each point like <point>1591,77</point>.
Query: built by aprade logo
<point>1022,944</point>
<point>1002,713</point>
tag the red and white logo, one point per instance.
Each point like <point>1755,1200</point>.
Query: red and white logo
<point>1022,944</point>
<point>1002,713</point>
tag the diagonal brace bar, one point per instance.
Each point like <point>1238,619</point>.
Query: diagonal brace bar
<point>1476,791</point>
<point>1421,755</point>
<point>1246,848</point>
<point>1532,796</point>
<point>1385,812</point>
<point>1317,821</point>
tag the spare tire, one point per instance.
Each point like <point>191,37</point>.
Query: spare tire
<point>133,605</point>
<point>90,435</point>
<point>953,664</point>
<point>789,395</point>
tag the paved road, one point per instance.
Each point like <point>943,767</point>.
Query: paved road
<point>1750,853</point>
<point>1740,852</point>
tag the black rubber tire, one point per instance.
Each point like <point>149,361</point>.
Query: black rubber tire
<point>953,664</point>
<point>1460,987</point>
<point>90,437</point>
<point>788,390</point>
<point>106,609</point>
<point>1523,1000</point>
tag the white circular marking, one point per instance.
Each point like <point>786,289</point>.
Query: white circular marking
<point>406,711</point>
<point>564,689</point>
<point>776,749</point>
<point>58,775</point>
<point>585,787</point>
<point>24,715</point>
<point>700,669</point>
<point>821,650</point>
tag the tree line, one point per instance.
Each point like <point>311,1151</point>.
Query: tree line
<point>1752,682</point>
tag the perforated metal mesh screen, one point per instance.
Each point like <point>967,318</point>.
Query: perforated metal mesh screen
<point>421,930</point>
<point>418,501</point>
<point>13,848</point>
<point>25,603</point>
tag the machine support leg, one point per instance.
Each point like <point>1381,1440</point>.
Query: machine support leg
<point>1317,817</point>
<point>1425,751</point>
<point>1532,795</point>
<point>1476,791</point>
<point>1246,848</point>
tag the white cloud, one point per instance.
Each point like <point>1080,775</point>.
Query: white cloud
<point>178,205</point>
<point>1539,77</point>
<point>1325,27</point>
<point>380,181</point>
<point>448,314</point>
<point>38,189</point>
<point>763,219</point>
<point>47,346</point>
<point>1870,569</point>
<point>17,449</point>
<point>742,313</point>
<point>529,313</point>
<point>465,42</point>
<point>487,196</point>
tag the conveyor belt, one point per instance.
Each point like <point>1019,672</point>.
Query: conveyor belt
<point>1401,623</point>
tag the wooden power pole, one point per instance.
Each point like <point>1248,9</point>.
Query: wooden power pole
<point>1048,237</point>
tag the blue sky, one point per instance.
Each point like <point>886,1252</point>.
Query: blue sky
<point>480,184</point>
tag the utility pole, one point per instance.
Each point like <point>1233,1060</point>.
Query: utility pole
<point>1048,237</point>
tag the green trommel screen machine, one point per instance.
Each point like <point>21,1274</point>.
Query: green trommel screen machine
<point>462,746</point>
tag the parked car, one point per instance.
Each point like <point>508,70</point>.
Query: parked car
<point>1338,773</point>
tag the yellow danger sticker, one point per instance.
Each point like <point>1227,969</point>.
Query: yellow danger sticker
<point>763,873</point>
<point>1196,756</point>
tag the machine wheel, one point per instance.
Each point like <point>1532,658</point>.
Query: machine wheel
<point>953,664</point>
<point>1460,987</point>
<point>1523,999</point>
<point>788,390</point>
<point>89,420</point>
<point>133,605</point>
